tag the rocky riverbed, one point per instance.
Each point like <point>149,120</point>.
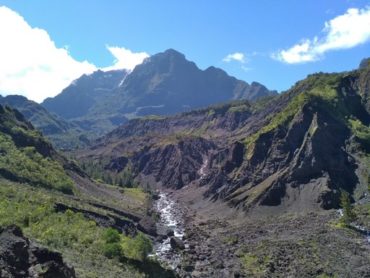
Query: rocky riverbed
<point>198,242</point>
<point>171,230</point>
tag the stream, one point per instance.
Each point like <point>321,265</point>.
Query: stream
<point>171,219</point>
<point>359,228</point>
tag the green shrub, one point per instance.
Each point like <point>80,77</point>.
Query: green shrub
<point>112,236</point>
<point>136,248</point>
<point>348,213</point>
<point>112,250</point>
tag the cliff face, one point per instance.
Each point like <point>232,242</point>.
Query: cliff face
<point>21,258</point>
<point>297,150</point>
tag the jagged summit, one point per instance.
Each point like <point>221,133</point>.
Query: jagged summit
<point>364,63</point>
<point>165,83</point>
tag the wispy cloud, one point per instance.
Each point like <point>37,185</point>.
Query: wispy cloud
<point>125,58</point>
<point>342,32</point>
<point>237,56</point>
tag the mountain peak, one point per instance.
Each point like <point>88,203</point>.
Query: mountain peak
<point>364,63</point>
<point>173,52</point>
<point>170,55</point>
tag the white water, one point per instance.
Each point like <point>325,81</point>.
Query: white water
<point>170,219</point>
<point>202,169</point>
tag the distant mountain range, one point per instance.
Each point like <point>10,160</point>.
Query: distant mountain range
<point>166,83</point>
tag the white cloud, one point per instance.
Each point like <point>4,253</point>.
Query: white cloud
<point>31,64</point>
<point>237,56</point>
<point>342,32</point>
<point>125,58</point>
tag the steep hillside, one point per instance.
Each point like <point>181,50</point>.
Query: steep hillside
<point>62,133</point>
<point>57,205</point>
<point>166,83</point>
<point>36,114</point>
<point>294,151</point>
<point>84,93</point>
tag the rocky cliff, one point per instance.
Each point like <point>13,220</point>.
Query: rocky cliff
<point>296,151</point>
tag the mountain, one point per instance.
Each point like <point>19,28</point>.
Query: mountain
<point>84,93</point>
<point>35,113</point>
<point>166,83</point>
<point>57,205</point>
<point>257,186</point>
<point>62,133</point>
<point>294,151</point>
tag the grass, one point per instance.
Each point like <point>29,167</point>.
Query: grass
<point>25,164</point>
<point>254,265</point>
<point>80,240</point>
<point>137,194</point>
<point>360,130</point>
<point>321,91</point>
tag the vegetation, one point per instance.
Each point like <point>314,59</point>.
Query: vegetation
<point>254,265</point>
<point>24,155</point>
<point>27,165</point>
<point>348,212</point>
<point>121,247</point>
<point>136,248</point>
<point>95,169</point>
<point>361,131</point>
<point>320,91</point>
<point>84,245</point>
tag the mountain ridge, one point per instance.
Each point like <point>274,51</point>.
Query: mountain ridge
<point>250,147</point>
<point>165,83</point>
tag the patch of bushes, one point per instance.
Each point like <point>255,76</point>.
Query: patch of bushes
<point>126,247</point>
<point>25,164</point>
<point>89,248</point>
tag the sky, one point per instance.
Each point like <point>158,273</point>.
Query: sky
<point>45,45</point>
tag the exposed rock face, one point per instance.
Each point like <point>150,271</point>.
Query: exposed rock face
<point>84,93</point>
<point>148,226</point>
<point>124,226</point>
<point>21,258</point>
<point>176,164</point>
<point>295,151</point>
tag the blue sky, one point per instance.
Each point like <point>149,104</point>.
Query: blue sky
<point>206,32</point>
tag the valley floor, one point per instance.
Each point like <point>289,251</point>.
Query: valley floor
<point>221,243</point>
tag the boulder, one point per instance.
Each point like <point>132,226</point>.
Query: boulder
<point>147,226</point>
<point>19,257</point>
<point>177,243</point>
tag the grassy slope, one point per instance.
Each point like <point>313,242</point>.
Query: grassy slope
<point>38,182</point>
<point>79,240</point>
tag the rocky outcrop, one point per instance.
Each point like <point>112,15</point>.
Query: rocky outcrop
<point>148,226</point>
<point>109,220</point>
<point>177,243</point>
<point>296,151</point>
<point>176,164</point>
<point>20,258</point>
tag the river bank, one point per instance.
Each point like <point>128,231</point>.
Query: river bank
<point>221,244</point>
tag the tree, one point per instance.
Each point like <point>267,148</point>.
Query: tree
<point>348,213</point>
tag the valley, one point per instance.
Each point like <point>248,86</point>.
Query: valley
<point>142,183</point>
